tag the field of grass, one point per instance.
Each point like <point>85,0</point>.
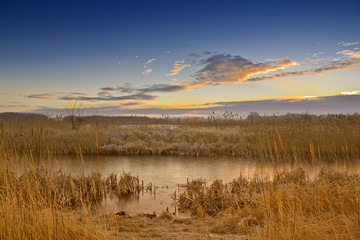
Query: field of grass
<point>322,138</point>
<point>39,203</point>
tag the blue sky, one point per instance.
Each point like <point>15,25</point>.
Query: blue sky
<point>180,58</point>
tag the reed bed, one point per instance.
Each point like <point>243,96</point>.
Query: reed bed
<point>313,138</point>
<point>291,206</point>
<point>59,189</point>
<point>44,204</point>
<point>34,205</point>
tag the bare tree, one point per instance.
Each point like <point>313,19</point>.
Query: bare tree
<point>74,114</point>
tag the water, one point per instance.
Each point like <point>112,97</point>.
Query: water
<point>168,172</point>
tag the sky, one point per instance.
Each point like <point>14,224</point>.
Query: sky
<point>180,58</point>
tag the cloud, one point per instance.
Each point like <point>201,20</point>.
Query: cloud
<point>147,71</point>
<point>17,106</point>
<point>141,93</point>
<point>148,62</point>
<point>346,44</point>
<point>126,88</point>
<point>350,53</point>
<point>55,95</point>
<point>317,54</point>
<point>131,104</point>
<point>327,67</point>
<point>72,96</point>
<point>314,105</point>
<point>111,94</point>
<point>178,66</point>
<point>318,105</point>
<point>222,69</point>
<point>42,96</point>
<point>194,55</point>
<point>4,94</point>
<point>111,98</point>
<point>162,88</point>
<point>24,93</point>
<point>159,88</point>
<point>106,91</point>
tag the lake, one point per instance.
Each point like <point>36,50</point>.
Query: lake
<point>167,172</point>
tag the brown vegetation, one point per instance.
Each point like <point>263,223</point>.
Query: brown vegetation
<point>42,204</point>
<point>312,138</point>
<point>288,207</point>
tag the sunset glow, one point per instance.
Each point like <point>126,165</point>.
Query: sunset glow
<point>350,93</point>
<point>146,62</point>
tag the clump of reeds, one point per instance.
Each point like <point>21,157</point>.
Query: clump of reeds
<point>59,189</point>
<point>289,206</point>
<point>127,184</point>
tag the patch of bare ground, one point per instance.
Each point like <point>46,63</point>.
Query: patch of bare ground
<point>140,227</point>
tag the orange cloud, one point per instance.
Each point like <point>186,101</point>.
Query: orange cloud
<point>223,69</point>
<point>350,53</point>
<point>42,95</point>
<point>327,67</point>
<point>148,62</point>
<point>147,71</point>
<point>178,66</point>
<point>24,93</point>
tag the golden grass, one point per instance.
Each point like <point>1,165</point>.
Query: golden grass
<point>288,207</point>
<point>277,139</point>
<point>42,204</point>
<point>291,206</point>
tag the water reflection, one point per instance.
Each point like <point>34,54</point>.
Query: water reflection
<point>166,173</point>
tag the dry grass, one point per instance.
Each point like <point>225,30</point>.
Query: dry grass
<point>288,207</point>
<point>282,139</point>
<point>59,190</point>
<point>43,204</point>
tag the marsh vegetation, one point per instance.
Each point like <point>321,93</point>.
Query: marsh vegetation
<point>327,138</point>
<point>42,203</point>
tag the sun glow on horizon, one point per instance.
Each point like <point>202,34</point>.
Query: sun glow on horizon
<point>309,97</point>
<point>350,93</point>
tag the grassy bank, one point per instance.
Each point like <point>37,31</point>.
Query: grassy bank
<point>313,138</point>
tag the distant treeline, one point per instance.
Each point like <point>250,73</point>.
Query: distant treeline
<point>167,119</point>
<point>21,116</point>
<point>86,119</point>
